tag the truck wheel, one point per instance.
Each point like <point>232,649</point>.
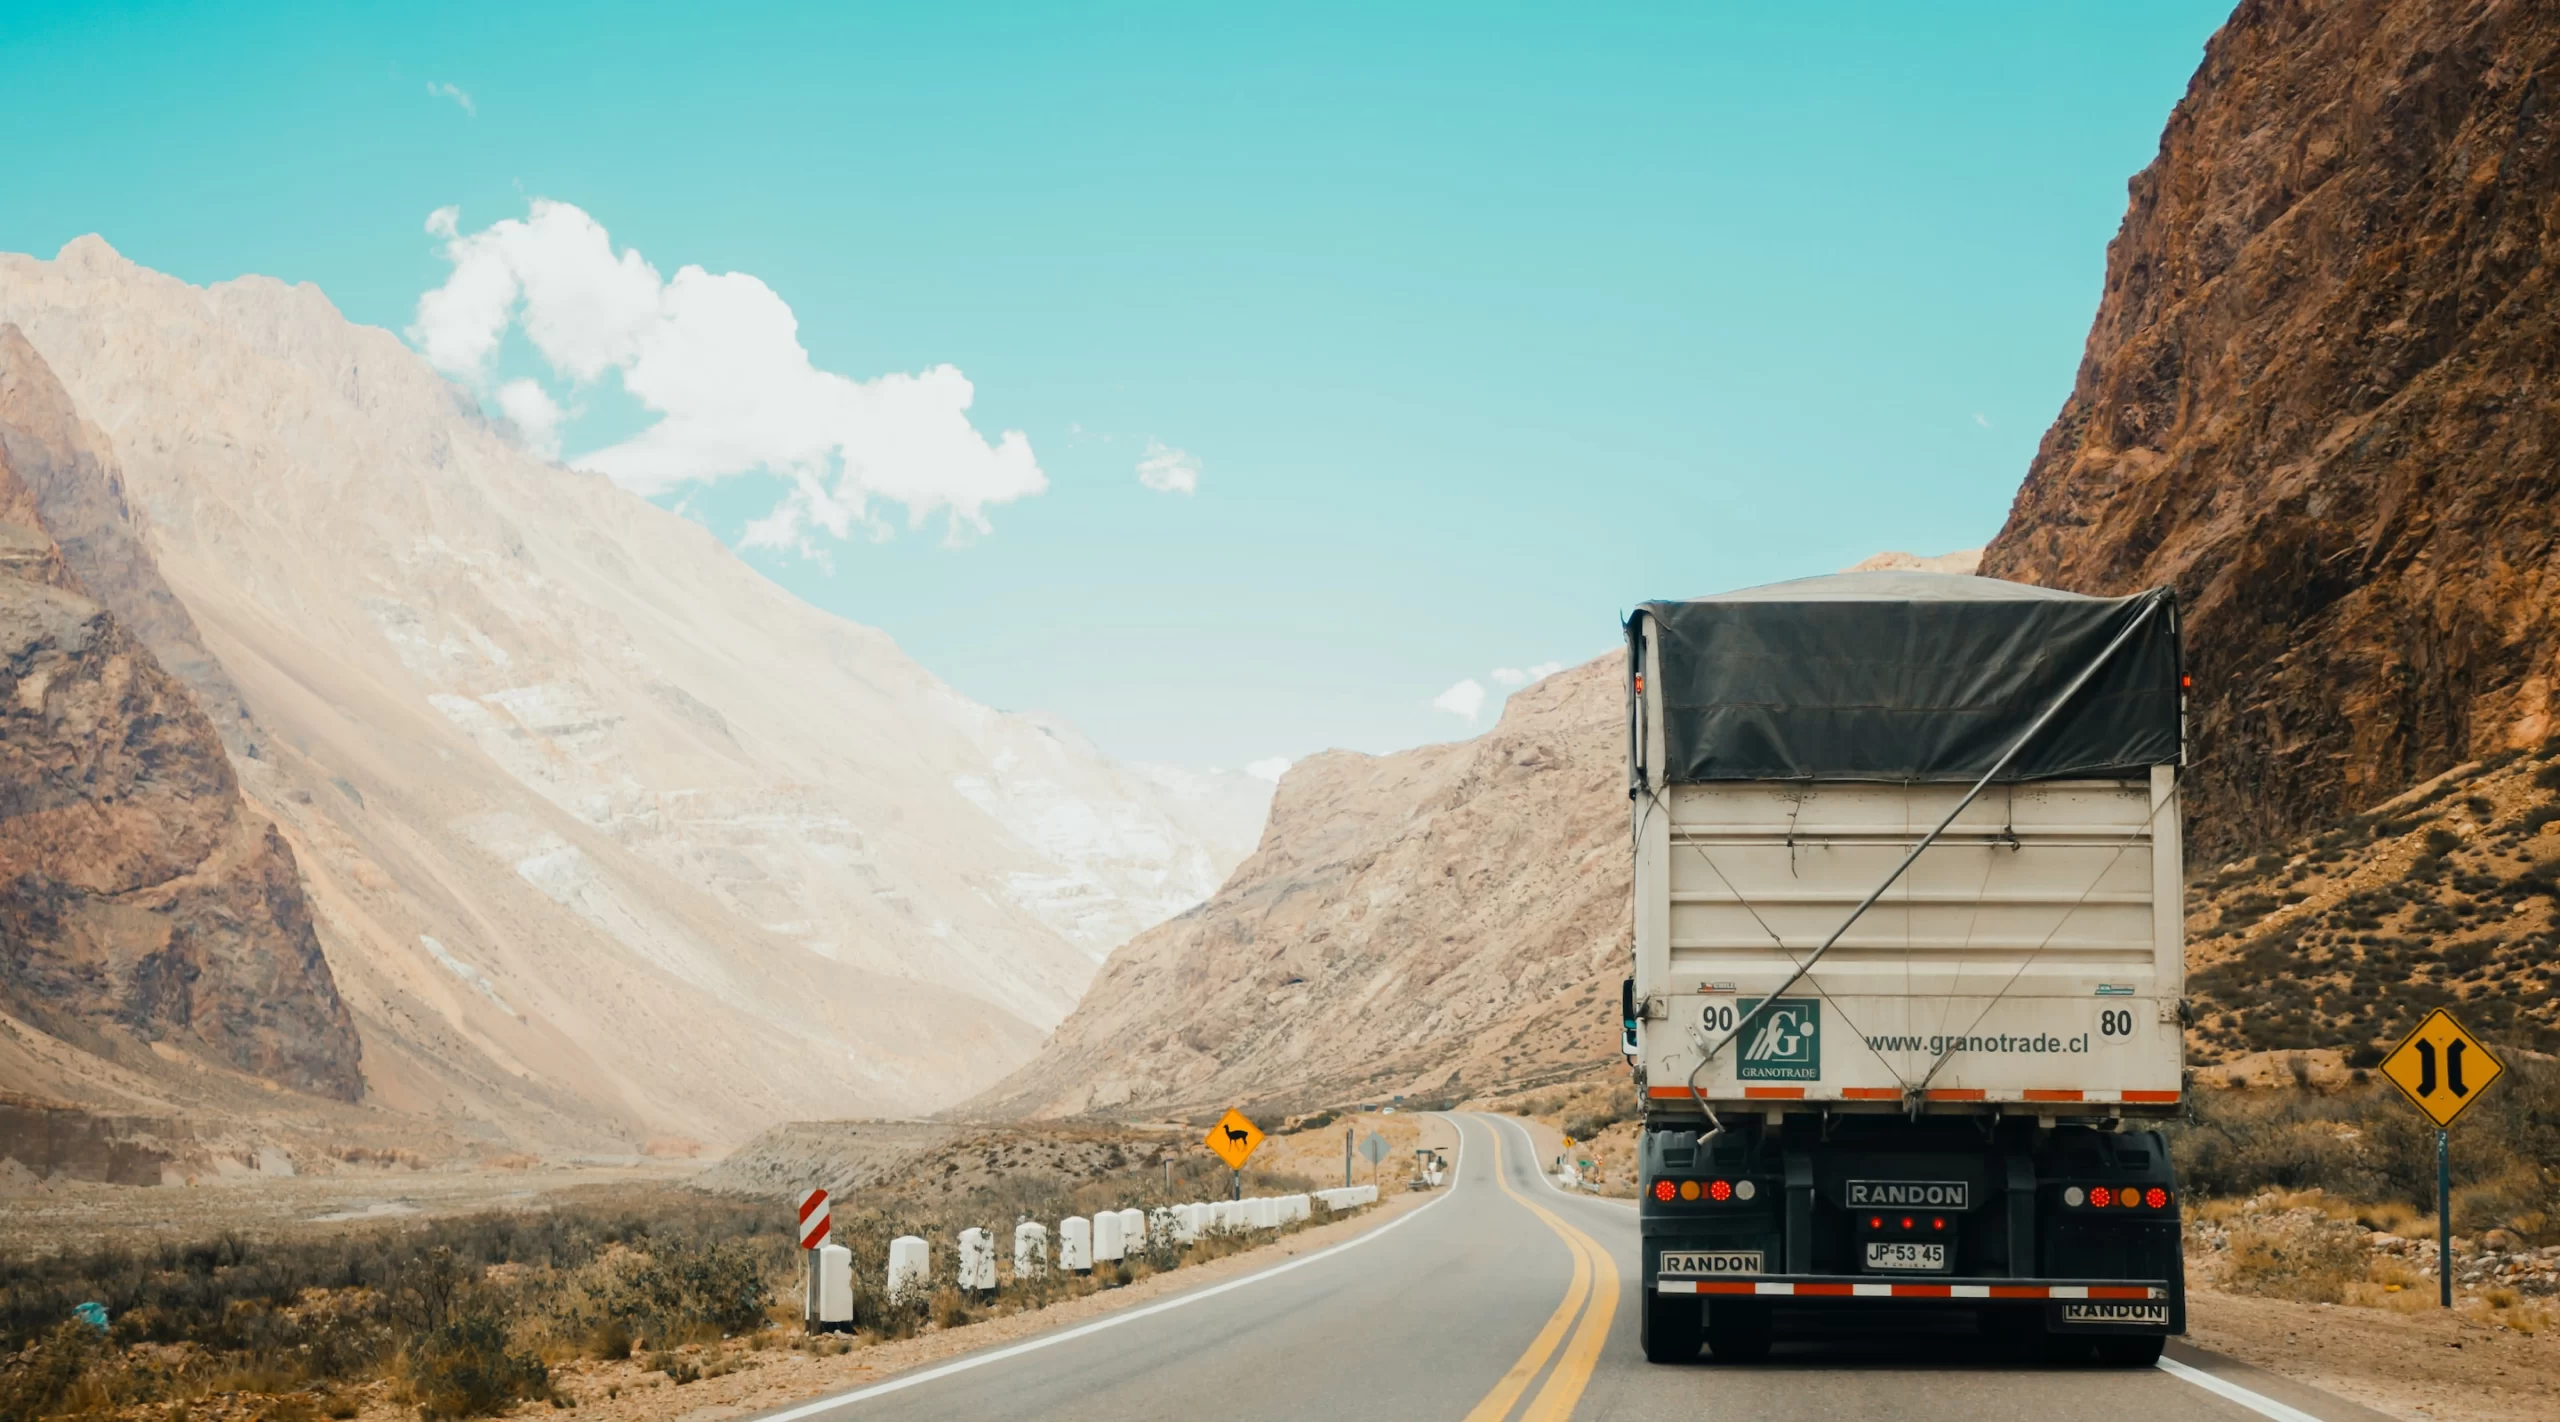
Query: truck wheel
<point>1669,1329</point>
<point>2120,1352</point>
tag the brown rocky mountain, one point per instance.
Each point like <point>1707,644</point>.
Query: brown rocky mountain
<point>1411,923</point>
<point>148,912</point>
<point>2318,399</point>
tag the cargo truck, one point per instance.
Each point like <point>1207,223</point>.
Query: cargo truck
<point>1906,1009</point>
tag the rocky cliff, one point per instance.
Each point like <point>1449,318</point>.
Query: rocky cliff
<point>2319,399</point>
<point>143,905</point>
<point>1411,923</point>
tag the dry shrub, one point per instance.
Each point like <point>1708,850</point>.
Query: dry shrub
<point>2311,1265</point>
<point>467,1369</point>
<point>2363,1142</point>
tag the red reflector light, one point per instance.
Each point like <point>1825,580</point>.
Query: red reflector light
<point>1937,1222</point>
<point>1721,1190</point>
<point>2102,1197</point>
<point>2183,683</point>
<point>1875,1221</point>
<point>2156,1198</point>
<point>1664,1189</point>
<point>1906,1221</point>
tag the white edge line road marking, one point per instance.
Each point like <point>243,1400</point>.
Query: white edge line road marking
<point>2224,1387</point>
<point>1051,1340</point>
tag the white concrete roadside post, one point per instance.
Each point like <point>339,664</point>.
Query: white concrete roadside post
<point>1110,1245</point>
<point>1166,1226</point>
<point>910,1266</point>
<point>1075,1244</point>
<point>1186,1223</point>
<point>1293,1208</point>
<point>1133,1229</point>
<point>1030,1250</point>
<point>835,1289</point>
<point>977,1261</point>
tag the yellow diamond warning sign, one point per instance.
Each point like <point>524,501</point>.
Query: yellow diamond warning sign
<point>2441,1068</point>
<point>1234,1138</point>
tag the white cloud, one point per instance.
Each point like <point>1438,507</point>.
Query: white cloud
<point>1463,700</point>
<point>535,415</point>
<point>1270,770</point>
<point>1168,470</point>
<point>718,359</point>
<point>1516,676</point>
<point>1979,420</point>
<point>449,91</point>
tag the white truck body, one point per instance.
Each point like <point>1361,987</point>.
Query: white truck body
<point>2031,960</point>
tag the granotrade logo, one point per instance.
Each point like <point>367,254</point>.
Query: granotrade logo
<point>1910,1194</point>
<point>1783,1043</point>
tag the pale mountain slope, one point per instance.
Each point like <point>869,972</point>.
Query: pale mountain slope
<point>605,833</point>
<point>1454,912</point>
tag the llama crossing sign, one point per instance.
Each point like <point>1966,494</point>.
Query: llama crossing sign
<point>1234,1138</point>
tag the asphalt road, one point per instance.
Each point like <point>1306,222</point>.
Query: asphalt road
<point>1507,1298</point>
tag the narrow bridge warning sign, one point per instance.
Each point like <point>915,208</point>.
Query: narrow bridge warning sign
<point>2441,1067</point>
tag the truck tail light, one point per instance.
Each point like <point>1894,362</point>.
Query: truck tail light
<point>1664,1190</point>
<point>2156,1198</point>
<point>1720,1191</point>
<point>2101,1196</point>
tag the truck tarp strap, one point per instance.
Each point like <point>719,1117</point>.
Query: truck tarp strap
<point>1909,677</point>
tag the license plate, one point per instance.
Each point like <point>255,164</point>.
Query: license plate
<point>1893,1254</point>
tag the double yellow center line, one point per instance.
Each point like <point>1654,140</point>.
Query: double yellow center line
<point>1595,1281</point>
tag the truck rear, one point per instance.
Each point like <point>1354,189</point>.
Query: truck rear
<point>1909,962</point>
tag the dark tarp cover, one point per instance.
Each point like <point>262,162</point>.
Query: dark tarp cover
<point>1910,676</point>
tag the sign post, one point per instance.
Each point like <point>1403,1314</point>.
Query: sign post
<point>1375,1147</point>
<point>1233,1140</point>
<point>1346,1157</point>
<point>2442,1069</point>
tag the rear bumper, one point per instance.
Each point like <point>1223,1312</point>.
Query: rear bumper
<point>2062,1306</point>
<point>1959,1291</point>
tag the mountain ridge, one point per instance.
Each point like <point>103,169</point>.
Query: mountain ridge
<point>611,837</point>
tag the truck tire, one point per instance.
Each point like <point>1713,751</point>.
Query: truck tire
<point>1669,1329</point>
<point>2140,1352</point>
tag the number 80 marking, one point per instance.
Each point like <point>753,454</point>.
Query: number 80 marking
<point>2115,1022</point>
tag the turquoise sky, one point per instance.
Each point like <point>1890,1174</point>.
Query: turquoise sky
<point>1483,322</point>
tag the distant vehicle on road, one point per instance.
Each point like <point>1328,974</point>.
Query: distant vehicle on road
<point>1909,961</point>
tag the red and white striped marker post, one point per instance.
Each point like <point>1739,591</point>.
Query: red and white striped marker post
<point>813,1232</point>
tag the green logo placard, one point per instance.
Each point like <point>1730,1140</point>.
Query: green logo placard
<point>1783,1043</point>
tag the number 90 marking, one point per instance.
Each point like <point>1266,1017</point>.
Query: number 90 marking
<point>1717,1017</point>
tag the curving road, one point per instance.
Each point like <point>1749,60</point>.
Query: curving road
<point>1507,1298</point>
